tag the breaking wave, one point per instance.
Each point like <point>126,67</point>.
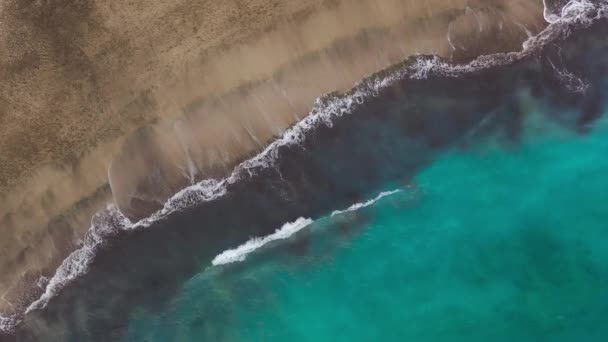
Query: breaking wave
<point>287,230</point>
<point>358,206</point>
<point>240,253</point>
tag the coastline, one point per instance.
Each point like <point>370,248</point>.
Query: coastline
<point>139,251</point>
<point>94,170</point>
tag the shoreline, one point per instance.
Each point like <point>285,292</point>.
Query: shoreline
<point>326,113</point>
<point>265,137</point>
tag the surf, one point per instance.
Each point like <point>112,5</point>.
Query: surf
<point>286,231</point>
<point>240,253</point>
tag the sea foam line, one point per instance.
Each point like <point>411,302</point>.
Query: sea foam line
<point>287,230</point>
<point>358,206</point>
<point>240,253</point>
<point>104,224</point>
<point>324,110</point>
<point>583,12</point>
<point>7,324</point>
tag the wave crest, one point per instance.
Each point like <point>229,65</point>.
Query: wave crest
<point>358,206</point>
<point>240,253</point>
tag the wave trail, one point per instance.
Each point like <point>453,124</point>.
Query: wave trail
<point>240,253</point>
<point>358,206</point>
<point>287,230</point>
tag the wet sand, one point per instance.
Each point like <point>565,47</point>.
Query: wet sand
<point>207,82</point>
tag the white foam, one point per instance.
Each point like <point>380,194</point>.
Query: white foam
<point>570,80</point>
<point>579,12</point>
<point>574,9</point>
<point>324,111</point>
<point>288,229</point>
<point>549,17</point>
<point>583,11</point>
<point>240,253</point>
<point>358,206</point>
<point>104,224</point>
<point>8,324</point>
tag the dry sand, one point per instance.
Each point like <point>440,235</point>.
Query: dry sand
<point>210,81</point>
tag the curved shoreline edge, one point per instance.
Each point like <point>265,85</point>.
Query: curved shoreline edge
<point>111,222</point>
<point>233,101</point>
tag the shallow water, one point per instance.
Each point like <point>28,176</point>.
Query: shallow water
<point>496,243</point>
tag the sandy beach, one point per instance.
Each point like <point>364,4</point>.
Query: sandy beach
<point>102,102</point>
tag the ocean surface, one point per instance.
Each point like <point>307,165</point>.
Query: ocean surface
<point>432,202</point>
<point>494,243</point>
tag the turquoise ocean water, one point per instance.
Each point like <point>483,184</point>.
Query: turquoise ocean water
<point>499,242</point>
